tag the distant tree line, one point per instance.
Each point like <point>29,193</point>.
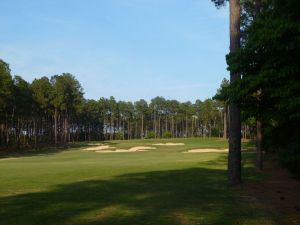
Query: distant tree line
<point>53,111</point>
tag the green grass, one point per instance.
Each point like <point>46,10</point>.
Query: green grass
<point>162,186</point>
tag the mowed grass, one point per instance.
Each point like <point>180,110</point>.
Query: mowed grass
<point>161,186</point>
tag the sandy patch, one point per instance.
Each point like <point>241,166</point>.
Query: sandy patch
<point>133,149</point>
<point>98,148</point>
<point>94,144</point>
<point>204,150</point>
<point>169,144</point>
<point>10,158</point>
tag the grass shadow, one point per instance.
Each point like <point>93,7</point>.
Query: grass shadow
<point>49,150</point>
<point>179,197</point>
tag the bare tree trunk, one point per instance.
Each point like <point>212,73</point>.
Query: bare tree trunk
<point>18,132</point>
<point>135,129</point>
<point>123,128</point>
<point>129,129</point>
<point>172,126</point>
<point>35,133</point>
<point>154,124</point>
<point>225,129</point>
<point>66,128</point>
<point>259,153</point>
<point>55,127</point>
<point>234,158</point>
<point>192,132</point>
<point>176,129</point>
<point>110,128</point>
<point>259,135</point>
<point>186,126</point>
<point>166,122</point>
<point>142,128</point>
<point>159,128</point>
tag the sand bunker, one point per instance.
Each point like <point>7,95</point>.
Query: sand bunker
<point>133,149</point>
<point>205,150</point>
<point>10,158</point>
<point>168,144</point>
<point>98,148</point>
<point>95,144</point>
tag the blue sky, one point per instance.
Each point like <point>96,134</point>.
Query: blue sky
<point>129,49</point>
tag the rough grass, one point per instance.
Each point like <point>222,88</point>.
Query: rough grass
<point>161,186</point>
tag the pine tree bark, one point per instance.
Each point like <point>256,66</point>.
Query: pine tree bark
<point>142,127</point>
<point>186,126</point>
<point>259,153</point>
<point>259,135</point>
<point>225,127</point>
<point>55,127</point>
<point>234,158</point>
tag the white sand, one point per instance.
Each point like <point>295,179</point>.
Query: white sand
<point>138,148</point>
<point>169,144</point>
<point>10,158</point>
<point>133,149</point>
<point>95,144</point>
<point>205,150</point>
<point>98,148</point>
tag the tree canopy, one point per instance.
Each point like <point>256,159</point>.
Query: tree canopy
<point>54,111</point>
<point>268,62</point>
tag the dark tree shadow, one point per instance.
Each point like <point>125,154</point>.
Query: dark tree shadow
<point>179,197</point>
<point>48,150</point>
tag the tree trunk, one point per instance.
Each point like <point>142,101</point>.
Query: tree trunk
<point>186,126</point>
<point>154,124</point>
<point>259,154</point>
<point>192,132</point>
<point>35,133</point>
<point>173,127</point>
<point>234,158</point>
<point>123,128</point>
<point>259,136</point>
<point>110,128</point>
<point>142,128</point>
<point>225,129</point>
<point>18,134</point>
<point>159,127</point>
<point>166,124</point>
<point>66,128</point>
<point>55,127</point>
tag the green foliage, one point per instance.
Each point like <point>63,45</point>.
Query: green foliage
<point>289,156</point>
<point>41,91</point>
<point>66,93</point>
<point>269,65</point>
<point>215,132</point>
<point>54,111</point>
<point>22,97</point>
<point>118,136</point>
<point>219,3</point>
<point>223,92</point>
<point>150,135</point>
<point>141,106</point>
<point>167,134</point>
<point>6,84</point>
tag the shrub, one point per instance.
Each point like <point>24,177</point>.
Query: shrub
<point>167,134</point>
<point>289,156</point>
<point>150,135</point>
<point>119,136</point>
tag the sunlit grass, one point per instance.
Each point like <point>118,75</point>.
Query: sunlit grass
<point>161,186</point>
